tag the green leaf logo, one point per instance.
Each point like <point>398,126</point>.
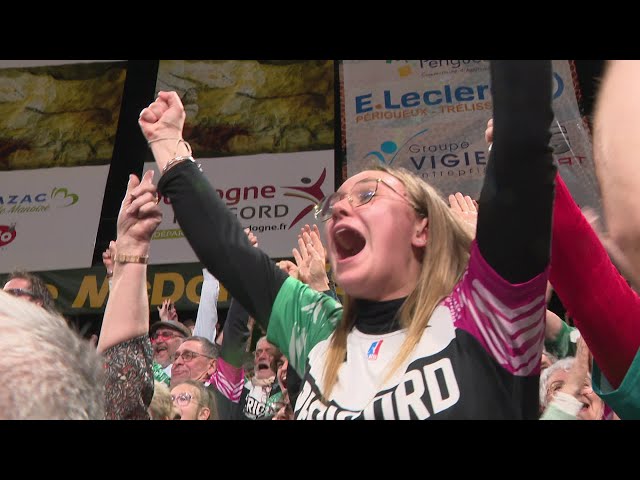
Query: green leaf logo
<point>64,194</point>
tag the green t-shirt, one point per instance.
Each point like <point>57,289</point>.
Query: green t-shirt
<point>625,401</point>
<point>300,319</point>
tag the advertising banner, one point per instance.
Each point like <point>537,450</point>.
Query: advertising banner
<point>429,116</point>
<point>58,122</point>
<point>273,195</point>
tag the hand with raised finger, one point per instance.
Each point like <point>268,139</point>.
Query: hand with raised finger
<point>139,215</point>
<point>316,240</point>
<point>163,310</point>
<point>311,265</point>
<point>302,259</point>
<point>173,313</point>
<point>465,208</point>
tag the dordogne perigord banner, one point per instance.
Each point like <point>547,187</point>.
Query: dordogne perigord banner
<point>272,194</point>
<point>58,122</point>
<point>429,116</point>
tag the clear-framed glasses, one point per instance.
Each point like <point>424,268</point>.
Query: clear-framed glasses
<point>188,355</point>
<point>166,335</point>
<point>182,399</point>
<point>21,292</point>
<point>360,194</point>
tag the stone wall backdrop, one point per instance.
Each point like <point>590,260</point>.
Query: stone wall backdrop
<point>59,116</point>
<point>243,107</point>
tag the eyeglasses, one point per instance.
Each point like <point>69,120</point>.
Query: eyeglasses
<point>20,292</point>
<point>182,399</point>
<point>188,355</point>
<point>360,194</point>
<point>165,335</point>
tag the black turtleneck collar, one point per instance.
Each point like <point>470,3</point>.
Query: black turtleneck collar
<point>376,318</point>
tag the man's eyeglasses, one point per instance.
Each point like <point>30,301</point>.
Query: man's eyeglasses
<point>360,194</point>
<point>182,399</point>
<point>21,292</point>
<point>165,335</point>
<point>188,355</point>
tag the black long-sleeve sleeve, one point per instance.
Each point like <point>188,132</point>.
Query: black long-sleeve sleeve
<point>219,241</point>
<point>236,334</point>
<point>514,219</point>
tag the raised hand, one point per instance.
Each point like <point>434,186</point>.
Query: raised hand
<point>316,241</point>
<point>310,259</point>
<point>163,118</point>
<point>162,123</point>
<point>466,209</point>
<point>167,311</point>
<point>139,214</point>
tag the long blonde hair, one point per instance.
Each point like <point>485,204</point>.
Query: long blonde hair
<point>444,260</point>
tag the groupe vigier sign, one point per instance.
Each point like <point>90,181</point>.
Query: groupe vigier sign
<point>429,116</point>
<point>272,194</point>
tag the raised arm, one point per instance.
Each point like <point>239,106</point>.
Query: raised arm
<point>207,317</point>
<point>127,312</point>
<point>605,309</point>
<point>124,339</point>
<point>514,218</point>
<point>590,287</point>
<point>236,330</point>
<point>213,231</point>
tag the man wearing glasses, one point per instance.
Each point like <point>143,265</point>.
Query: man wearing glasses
<point>195,359</point>
<point>29,287</point>
<point>166,337</point>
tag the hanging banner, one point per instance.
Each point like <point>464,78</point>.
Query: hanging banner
<point>57,129</point>
<point>85,291</point>
<point>273,195</point>
<point>263,131</point>
<point>429,116</point>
